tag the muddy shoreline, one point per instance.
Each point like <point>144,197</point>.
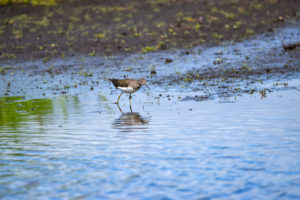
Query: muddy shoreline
<point>225,67</point>
<point>258,65</point>
<point>105,28</point>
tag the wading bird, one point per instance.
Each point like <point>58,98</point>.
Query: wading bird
<point>128,86</point>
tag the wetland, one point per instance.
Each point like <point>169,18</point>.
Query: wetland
<point>221,120</point>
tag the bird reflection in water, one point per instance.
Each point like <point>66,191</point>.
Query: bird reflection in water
<point>130,120</point>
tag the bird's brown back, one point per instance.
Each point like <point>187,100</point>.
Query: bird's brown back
<point>126,83</point>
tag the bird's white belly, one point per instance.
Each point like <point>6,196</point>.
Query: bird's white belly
<point>127,89</point>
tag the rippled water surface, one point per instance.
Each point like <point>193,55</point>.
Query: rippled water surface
<point>62,137</point>
<point>85,147</point>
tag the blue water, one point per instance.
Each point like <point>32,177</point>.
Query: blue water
<point>61,136</point>
<point>84,147</point>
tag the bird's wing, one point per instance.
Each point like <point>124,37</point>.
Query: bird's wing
<point>124,83</point>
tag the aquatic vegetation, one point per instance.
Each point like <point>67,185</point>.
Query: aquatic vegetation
<point>43,22</point>
<point>249,31</point>
<point>21,20</point>
<point>99,35</point>
<point>149,48</point>
<point>2,29</point>
<point>85,73</point>
<point>257,6</point>
<point>67,86</point>
<point>2,71</point>
<point>93,53</point>
<point>129,69</point>
<point>17,34</point>
<point>197,27</point>
<point>263,93</point>
<point>8,55</point>
<point>218,61</point>
<point>217,36</point>
<point>189,19</point>
<point>237,24</point>
<point>137,34</point>
<point>32,2</point>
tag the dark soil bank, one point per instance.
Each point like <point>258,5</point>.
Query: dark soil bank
<point>113,27</point>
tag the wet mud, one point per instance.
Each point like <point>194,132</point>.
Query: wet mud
<point>258,65</point>
<point>105,28</point>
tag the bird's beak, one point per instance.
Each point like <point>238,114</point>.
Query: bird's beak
<point>147,86</point>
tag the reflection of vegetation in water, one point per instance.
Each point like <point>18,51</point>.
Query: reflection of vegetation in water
<point>14,110</point>
<point>101,99</point>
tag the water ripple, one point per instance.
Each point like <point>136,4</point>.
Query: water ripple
<point>247,149</point>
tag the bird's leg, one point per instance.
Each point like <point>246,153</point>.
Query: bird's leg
<point>130,102</point>
<point>120,109</point>
<point>119,98</point>
<point>130,99</point>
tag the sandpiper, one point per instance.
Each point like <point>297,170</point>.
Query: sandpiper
<point>128,86</point>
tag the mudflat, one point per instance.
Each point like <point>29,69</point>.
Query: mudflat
<point>117,27</point>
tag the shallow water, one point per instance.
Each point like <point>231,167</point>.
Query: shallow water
<point>77,75</point>
<point>78,147</point>
<point>62,137</point>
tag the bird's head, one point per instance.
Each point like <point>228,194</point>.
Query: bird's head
<point>143,82</point>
